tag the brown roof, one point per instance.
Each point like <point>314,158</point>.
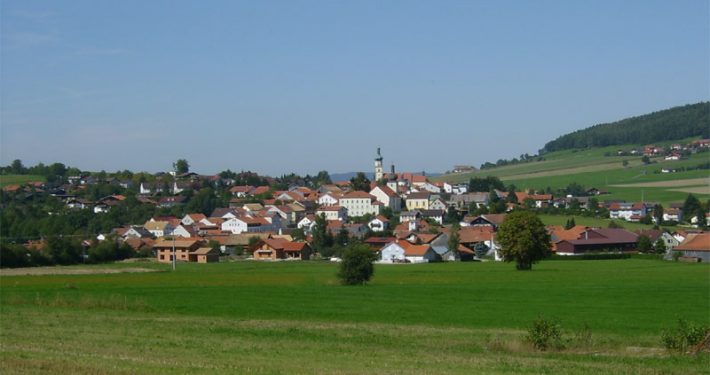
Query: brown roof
<point>184,243</point>
<point>413,250</point>
<point>357,194</point>
<point>695,242</point>
<point>203,251</point>
<point>389,192</point>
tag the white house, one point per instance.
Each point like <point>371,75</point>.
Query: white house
<point>192,219</point>
<point>627,211</point>
<point>158,228</point>
<point>378,224</point>
<point>387,197</point>
<point>402,251</point>
<point>428,186</point>
<point>307,223</point>
<point>333,213</point>
<point>243,224</point>
<point>328,199</point>
<point>360,203</point>
<point>438,204</point>
<point>183,231</point>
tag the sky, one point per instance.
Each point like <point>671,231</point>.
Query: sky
<point>302,86</point>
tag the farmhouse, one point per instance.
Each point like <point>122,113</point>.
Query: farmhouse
<point>204,255</point>
<point>599,240</point>
<point>696,245</point>
<point>402,251</point>
<point>183,248</point>
<point>278,248</point>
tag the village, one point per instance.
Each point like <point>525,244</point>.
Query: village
<point>402,217</point>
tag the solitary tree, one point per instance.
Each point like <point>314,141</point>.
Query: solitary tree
<point>356,267</point>
<point>523,239</point>
<point>181,166</point>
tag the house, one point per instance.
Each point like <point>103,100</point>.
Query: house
<point>183,248</point>
<point>276,248</point>
<point>418,200</point>
<point>136,231</point>
<point>402,251</point>
<point>673,156</point>
<point>377,243</point>
<point>593,240</point>
<point>379,224</point>
<point>360,203</point>
<point>243,224</point>
<point>253,207</point>
<point>388,197</point>
<point>307,223</point>
<point>696,246</point>
<point>428,186</point>
<point>204,255</point>
<point>489,220</point>
<point>192,219</point>
<point>333,213</point>
<point>464,201</point>
<point>654,235</point>
<point>436,215</point>
<point>225,212</point>
<point>628,211</point>
<point>438,204</point>
<point>410,216</point>
<point>78,203</point>
<point>241,191</point>
<point>168,202</point>
<point>158,228</point>
<point>184,231</point>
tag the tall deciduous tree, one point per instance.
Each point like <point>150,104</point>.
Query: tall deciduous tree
<point>523,239</point>
<point>360,182</point>
<point>181,166</point>
<point>356,267</point>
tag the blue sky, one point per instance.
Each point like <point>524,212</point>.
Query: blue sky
<point>303,86</point>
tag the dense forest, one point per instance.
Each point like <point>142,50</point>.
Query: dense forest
<point>671,124</point>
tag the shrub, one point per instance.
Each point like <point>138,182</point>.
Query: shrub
<point>356,267</point>
<point>685,335</point>
<point>545,334</point>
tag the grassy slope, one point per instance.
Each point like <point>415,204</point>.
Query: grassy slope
<point>12,179</point>
<point>270,318</point>
<point>591,168</point>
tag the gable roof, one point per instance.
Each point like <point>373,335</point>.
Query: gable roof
<point>386,190</point>
<point>695,242</point>
<point>357,194</point>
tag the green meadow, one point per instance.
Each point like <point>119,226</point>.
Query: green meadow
<point>591,168</point>
<point>12,179</point>
<point>294,317</point>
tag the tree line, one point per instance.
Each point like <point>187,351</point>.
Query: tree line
<point>671,124</point>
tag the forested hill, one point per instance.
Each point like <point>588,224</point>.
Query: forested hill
<point>686,121</point>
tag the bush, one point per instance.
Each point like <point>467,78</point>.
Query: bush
<point>356,267</point>
<point>684,336</point>
<point>545,334</point>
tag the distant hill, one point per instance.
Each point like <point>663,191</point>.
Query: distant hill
<point>686,121</point>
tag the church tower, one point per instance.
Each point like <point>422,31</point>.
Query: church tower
<point>379,171</point>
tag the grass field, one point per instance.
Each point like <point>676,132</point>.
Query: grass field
<point>591,168</point>
<point>12,179</point>
<point>291,317</point>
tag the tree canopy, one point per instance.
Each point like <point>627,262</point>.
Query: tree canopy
<point>523,239</point>
<point>671,124</point>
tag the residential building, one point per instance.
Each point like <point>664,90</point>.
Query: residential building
<point>360,203</point>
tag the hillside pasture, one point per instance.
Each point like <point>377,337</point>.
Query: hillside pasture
<point>294,317</point>
<point>19,179</point>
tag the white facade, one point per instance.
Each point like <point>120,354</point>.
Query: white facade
<point>358,206</point>
<point>181,231</point>
<point>235,226</point>
<point>333,213</point>
<point>392,253</point>
<point>389,198</point>
<point>327,200</point>
<point>306,224</point>
<point>378,225</point>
